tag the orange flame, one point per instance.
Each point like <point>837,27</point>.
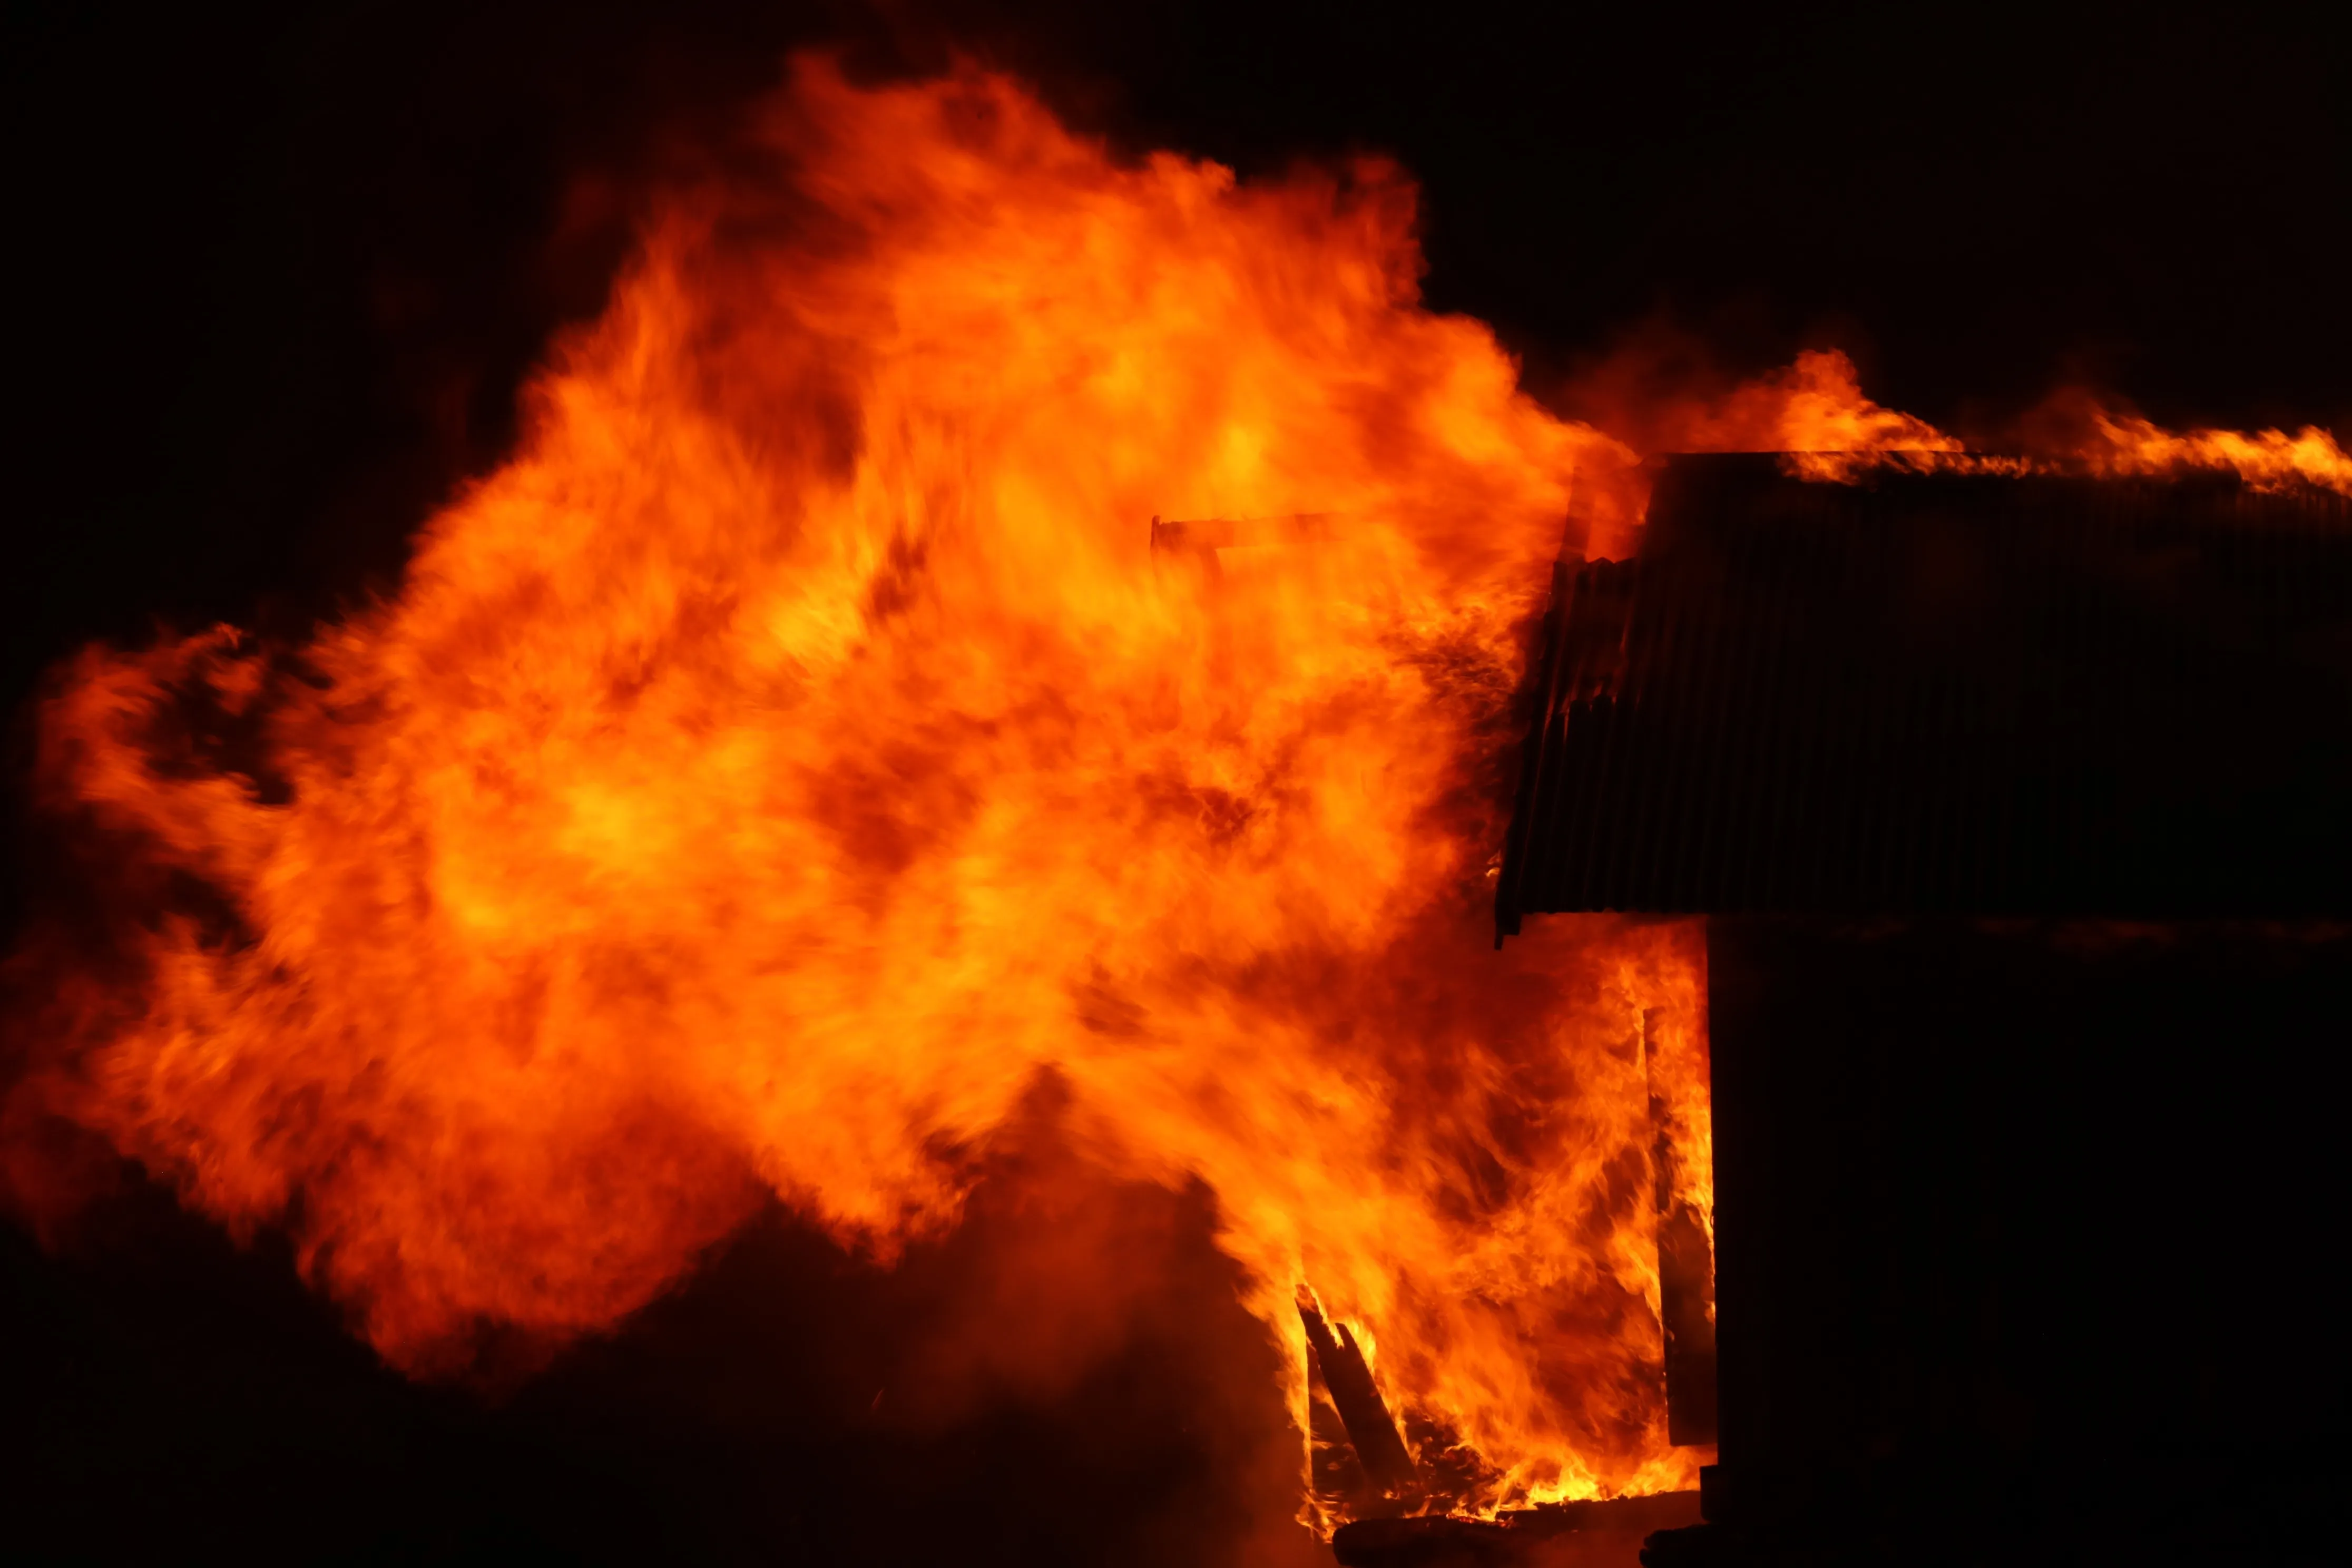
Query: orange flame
<point>2267,460</point>
<point>798,749</point>
<point>1813,408</point>
<point>1815,412</point>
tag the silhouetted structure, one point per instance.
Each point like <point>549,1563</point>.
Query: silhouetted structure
<point>2021,809</point>
<point>1948,692</point>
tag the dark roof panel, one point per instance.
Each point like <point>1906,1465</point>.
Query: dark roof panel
<point>1946,691</point>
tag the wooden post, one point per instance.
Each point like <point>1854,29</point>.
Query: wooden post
<point>1685,1281</point>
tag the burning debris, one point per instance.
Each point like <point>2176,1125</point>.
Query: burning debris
<point>1337,1367</point>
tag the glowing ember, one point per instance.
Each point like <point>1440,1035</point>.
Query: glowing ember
<point>798,749</point>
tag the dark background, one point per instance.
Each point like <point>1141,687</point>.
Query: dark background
<point>274,272</point>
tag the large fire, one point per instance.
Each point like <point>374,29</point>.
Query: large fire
<point>797,752</point>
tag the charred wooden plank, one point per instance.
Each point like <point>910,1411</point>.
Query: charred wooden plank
<point>1370,1431</point>
<point>1550,1536</point>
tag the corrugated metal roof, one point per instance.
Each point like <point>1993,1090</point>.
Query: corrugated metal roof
<point>1946,692</point>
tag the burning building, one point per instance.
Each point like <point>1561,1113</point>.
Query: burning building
<point>796,782</point>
